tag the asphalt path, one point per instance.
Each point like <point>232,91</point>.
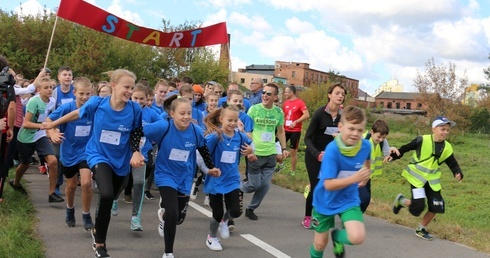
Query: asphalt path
<point>277,233</point>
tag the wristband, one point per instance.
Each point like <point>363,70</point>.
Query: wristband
<point>283,149</point>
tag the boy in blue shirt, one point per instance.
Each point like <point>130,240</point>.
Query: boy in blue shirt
<point>345,167</point>
<point>73,138</point>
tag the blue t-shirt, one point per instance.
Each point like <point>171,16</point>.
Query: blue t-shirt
<point>77,133</point>
<point>176,158</point>
<point>226,157</point>
<point>198,116</point>
<point>157,108</point>
<point>62,98</point>
<point>335,165</point>
<point>111,131</point>
<point>246,103</point>
<point>149,116</point>
<point>248,122</point>
<point>200,106</point>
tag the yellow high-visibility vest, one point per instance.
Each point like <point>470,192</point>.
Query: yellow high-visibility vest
<point>425,164</point>
<point>376,156</point>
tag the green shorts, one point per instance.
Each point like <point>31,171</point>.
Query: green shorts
<point>322,223</point>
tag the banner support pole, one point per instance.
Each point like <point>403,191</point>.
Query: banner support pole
<point>50,42</point>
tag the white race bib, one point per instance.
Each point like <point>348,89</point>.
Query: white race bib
<point>331,130</point>
<point>82,130</point>
<point>266,137</point>
<point>142,142</point>
<point>345,173</point>
<point>228,157</point>
<point>110,137</point>
<point>289,122</point>
<point>41,118</point>
<point>418,193</point>
<point>63,101</point>
<point>179,155</point>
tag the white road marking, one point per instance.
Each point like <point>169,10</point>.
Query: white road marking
<point>268,248</point>
<point>200,209</point>
<point>251,238</point>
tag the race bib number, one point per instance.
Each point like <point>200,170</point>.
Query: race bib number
<point>110,137</point>
<point>179,155</point>
<point>266,137</point>
<point>228,157</point>
<point>82,130</point>
<point>344,174</point>
<point>418,193</point>
<point>41,118</point>
<point>63,101</point>
<point>331,130</point>
<point>142,142</point>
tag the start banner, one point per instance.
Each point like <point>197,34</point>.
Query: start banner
<point>88,15</point>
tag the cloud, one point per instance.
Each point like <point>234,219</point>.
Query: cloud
<point>226,3</point>
<point>30,8</point>
<point>297,26</point>
<point>237,63</point>
<point>254,22</point>
<point>116,8</point>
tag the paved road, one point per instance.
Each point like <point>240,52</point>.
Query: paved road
<point>277,233</point>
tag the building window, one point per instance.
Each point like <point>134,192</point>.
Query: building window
<point>397,105</point>
<point>388,105</point>
<point>293,74</point>
<point>419,105</point>
<point>306,75</point>
<point>382,104</point>
<point>409,105</point>
<point>264,80</point>
<point>242,80</point>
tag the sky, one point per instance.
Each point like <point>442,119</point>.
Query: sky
<point>371,41</point>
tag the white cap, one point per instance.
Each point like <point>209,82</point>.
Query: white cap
<point>440,120</point>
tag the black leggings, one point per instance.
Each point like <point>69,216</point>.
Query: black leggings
<point>233,202</point>
<point>313,168</point>
<point>175,205</point>
<point>108,183</point>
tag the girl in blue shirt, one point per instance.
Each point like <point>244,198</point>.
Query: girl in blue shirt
<point>177,139</point>
<point>113,146</point>
<point>226,145</point>
<point>149,116</point>
<point>344,168</point>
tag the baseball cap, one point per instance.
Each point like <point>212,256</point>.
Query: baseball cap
<point>440,120</point>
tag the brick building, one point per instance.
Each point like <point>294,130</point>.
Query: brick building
<point>398,100</point>
<point>300,74</point>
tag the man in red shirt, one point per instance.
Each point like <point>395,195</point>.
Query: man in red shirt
<point>295,112</point>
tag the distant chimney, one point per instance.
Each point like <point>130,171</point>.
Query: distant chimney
<point>224,56</point>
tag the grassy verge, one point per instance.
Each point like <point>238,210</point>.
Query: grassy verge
<point>18,235</point>
<point>466,220</point>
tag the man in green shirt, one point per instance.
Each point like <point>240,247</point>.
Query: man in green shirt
<point>267,118</point>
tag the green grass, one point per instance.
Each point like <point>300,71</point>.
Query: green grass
<point>466,220</point>
<point>18,234</point>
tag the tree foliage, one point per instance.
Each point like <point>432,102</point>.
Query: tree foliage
<point>442,92</point>
<point>89,53</point>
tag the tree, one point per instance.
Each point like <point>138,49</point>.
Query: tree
<point>442,92</point>
<point>206,67</point>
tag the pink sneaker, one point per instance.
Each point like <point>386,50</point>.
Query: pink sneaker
<point>306,222</point>
<point>42,170</point>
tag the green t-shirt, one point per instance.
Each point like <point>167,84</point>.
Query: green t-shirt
<point>265,123</point>
<point>39,110</point>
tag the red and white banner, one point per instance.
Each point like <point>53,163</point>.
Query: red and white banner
<point>88,15</point>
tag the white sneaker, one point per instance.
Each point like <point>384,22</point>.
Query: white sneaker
<point>161,223</point>
<point>213,243</point>
<point>169,255</point>
<point>193,191</point>
<point>206,201</point>
<point>114,210</point>
<point>223,229</point>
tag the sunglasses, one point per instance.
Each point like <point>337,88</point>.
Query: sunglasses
<point>268,93</point>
